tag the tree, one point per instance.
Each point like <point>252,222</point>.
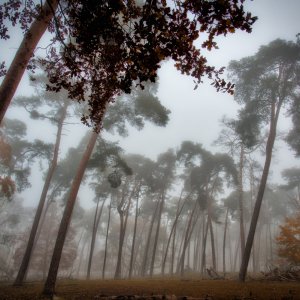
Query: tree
<point>106,156</point>
<point>264,83</point>
<point>135,117</point>
<point>44,247</point>
<point>289,240</point>
<point>292,176</point>
<point>206,178</point>
<point>118,44</point>
<point>18,156</point>
<point>232,139</point>
<point>34,20</point>
<point>57,116</point>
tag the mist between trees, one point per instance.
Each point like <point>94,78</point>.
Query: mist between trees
<point>190,211</point>
<point>166,216</point>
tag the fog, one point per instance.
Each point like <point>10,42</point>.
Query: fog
<point>147,228</point>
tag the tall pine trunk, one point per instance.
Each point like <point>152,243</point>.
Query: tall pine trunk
<point>49,286</point>
<point>178,212</point>
<point>261,190</point>
<point>241,204</point>
<point>94,234</point>
<point>134,235</point>
<point>145,256</point>
<point>162,201</point>
<point>123,225</point>
<point>17,68</point>
<point>224,241</point>
<point>106,238</point>
<point>30,244</point>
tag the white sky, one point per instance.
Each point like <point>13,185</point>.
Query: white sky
<point>195,115</point>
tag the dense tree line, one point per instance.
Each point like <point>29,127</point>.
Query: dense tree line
<point>167,216</point>
<point>164,216</point>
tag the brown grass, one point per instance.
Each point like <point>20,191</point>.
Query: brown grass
<point>217,289</point>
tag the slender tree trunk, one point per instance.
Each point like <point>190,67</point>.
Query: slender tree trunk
<point>123,225</point>
<point>162,201</point>
<point>134,236</point>
<point>261,190</point>
<point>48,236</point>
<point>106,239</point>
<point>17,68</point>
<point>253,252</point>
<point>81,256</point>
<point>94,234</point>
<point>188,234</point>
<point>203,257</point>
<point>173,250</point>
<point>236,252</point>
<point>178,212</point>
<point>52,167</point>
<point>49,286</point>
<point>212,240</point>
<point>224,241</point>
<point>241,204</point>
<point>145,257</point>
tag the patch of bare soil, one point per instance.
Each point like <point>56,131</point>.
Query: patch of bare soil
<point>158,289</point>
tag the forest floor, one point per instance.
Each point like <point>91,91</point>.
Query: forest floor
<point>157,289</point>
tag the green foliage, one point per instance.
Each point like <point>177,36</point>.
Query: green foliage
<point>292,176</point>
<point>22,153</point>
<point>148,106</point>
<point>141,106</point>
<point>264,83</point>
<point>293,137</point>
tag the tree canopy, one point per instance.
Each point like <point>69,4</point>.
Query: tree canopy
<point>107,47</point>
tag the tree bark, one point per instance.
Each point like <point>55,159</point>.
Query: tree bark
<point>123,225</point>
<point>49,286</point>
<point>188,234</point>
<point>17,68</point>
<point>145,257</point>
<point>178,212</point>
<point>30,244</point>
<point>241,204</point>
<point>106,239</point>
<point>94,233</point>
<point>261,190</point>
<point>162,201</point>
<point>224,241</point>
<point>134,236</point>
<point>203,256</point>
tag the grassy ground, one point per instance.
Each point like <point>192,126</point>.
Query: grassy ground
<point>209,289</point>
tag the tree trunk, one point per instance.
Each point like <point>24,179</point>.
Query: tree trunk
<point>173,251</point>
<point>134,236</point>
<point>52,167</point>
<point>106,239</point>
<point>94,233</point>
<point>224,241</point>
<point>81,254</point>
<point>203,256</point>
<point>188,234</point>
<point>145,257</point>
<point>49,286</point>
<point>241,204</point>
<point>162,201</point>
<point>212,240</point>
<point>178,212</point>
<point>17,68</point>
<point>123,225</point>
<point>261,190</point>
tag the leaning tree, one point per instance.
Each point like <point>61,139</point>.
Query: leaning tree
<point>265,83</point>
